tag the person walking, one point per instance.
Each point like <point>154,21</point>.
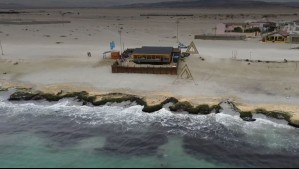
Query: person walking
<point>88,54</point>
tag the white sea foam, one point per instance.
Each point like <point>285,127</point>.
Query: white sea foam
<point>134,115</point>
<point>263,131</point>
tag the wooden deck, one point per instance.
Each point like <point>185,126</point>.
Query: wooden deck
<point>146,69</point>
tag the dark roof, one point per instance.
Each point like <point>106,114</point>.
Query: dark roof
<point>153,50</point>
<point>283,33</point>
<point>263,22</point>
<point>176,50</point>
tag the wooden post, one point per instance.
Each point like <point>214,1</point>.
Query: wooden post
<point>2,53</point>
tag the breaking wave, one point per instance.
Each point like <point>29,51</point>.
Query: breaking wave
<point>222,137</point>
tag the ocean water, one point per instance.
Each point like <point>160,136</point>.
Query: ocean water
<point>66,134</point>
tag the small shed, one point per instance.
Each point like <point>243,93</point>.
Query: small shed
<point>113,54</point>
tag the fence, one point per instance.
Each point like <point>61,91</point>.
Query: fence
<point>145,69</point>
<point>220,37</point>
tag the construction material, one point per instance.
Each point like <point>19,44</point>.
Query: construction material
<point>192,49</point>
<point>115,55</point>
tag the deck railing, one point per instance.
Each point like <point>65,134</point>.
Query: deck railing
<point>145,69</point>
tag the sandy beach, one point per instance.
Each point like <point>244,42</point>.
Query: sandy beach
<point>54,56</point>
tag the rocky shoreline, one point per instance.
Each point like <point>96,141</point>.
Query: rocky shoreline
<point>177,106</point>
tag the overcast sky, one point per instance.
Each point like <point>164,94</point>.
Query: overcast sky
<point>93,2</point>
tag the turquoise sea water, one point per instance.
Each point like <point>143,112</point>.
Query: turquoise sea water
<point>35,152</point>
<point>65,134</point>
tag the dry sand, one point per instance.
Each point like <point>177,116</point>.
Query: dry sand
<point>54,56</point>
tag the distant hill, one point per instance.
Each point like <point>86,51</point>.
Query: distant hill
<point>22,4</point>
<point>11,6</point>
<point>293,4</point>
<point>213,4</point>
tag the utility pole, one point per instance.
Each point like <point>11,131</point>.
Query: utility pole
<point>120,40</point>
<point>215,30</point>
<point>177,30</point>
<point>2,53</point>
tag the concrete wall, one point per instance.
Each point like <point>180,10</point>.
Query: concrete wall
<point>248,35</point>
<point>220,29</point>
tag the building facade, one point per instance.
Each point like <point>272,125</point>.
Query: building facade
<point>291,27</point>
<point>276,37</point>
<point>154,55</point>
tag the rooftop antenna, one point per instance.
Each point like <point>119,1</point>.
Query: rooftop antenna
<point>2,53</point>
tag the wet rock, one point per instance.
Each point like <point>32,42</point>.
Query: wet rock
<point>51,97</point>
<point>183,106</point>
<point>18,96</point>
<point>186,106</point>
<point>247,116</point>
<point>3,89</point>
<point>203,109</point>
<point>154,108</point>
<point>248,119</point>
<point>294,123</point>
<point>151,109</point>
<point>274,114</point>
<point>217,108</point>
<point>132,99</point>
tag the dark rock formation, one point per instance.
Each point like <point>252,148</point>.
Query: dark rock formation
<point>24,95</point>
<point>3,89</point>
<point>247,116</point>
<point>204,109</point>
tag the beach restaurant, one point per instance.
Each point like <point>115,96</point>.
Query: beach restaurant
<point>155,55</point>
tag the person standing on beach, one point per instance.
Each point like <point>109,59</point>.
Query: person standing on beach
<point>88,54</point>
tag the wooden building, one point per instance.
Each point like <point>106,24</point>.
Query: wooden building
<point>154,55</point>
